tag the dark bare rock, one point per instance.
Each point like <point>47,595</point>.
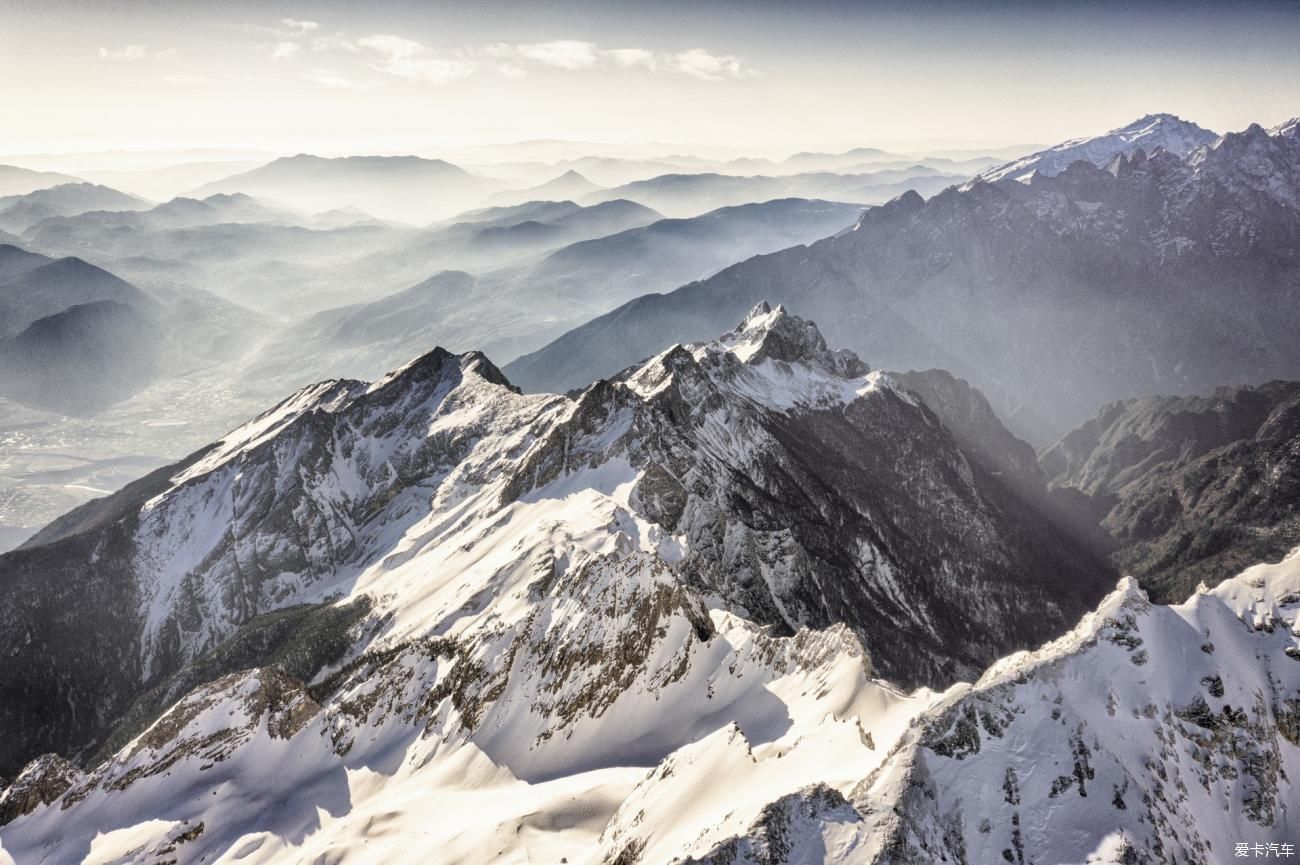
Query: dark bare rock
<point>42,781</point>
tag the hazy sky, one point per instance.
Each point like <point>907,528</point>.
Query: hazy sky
<point>333,77</point>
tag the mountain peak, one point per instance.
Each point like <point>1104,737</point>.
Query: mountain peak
<point>1149,132</point>
<point>1288,129</point>
<point>761,313</point>
<point>1165,130</point>
<point>439,365</point>
<point>1147,121</point>
<point>769,333</point>
<point>230,198</point>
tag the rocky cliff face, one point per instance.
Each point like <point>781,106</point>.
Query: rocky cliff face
<point>976,427</point>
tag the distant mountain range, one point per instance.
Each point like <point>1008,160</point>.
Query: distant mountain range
<point>83,358</point>
<point>75,339</point>
<point>35,286</point>
<point>569,186</point>
<point>90,221</point>
<point>418,190</point>
<point>491,238</point>
<point>20,181</point>
<point>518,308</point>
<point>1154,273</point>
<point>167,182</point>
<point>611,171</point>
<point>685,195</point>
<point>20,212</point>
<point>406,188</point>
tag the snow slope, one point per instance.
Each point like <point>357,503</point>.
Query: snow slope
<point>1147,734</point>
<point>1166,732</point>
<point>581,643</point>
<point>1165,131</point>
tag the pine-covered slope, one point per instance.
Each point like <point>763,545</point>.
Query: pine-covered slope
<point>1192,489</point>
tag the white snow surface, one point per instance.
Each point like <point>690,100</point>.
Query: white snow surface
<point>1164,131</point>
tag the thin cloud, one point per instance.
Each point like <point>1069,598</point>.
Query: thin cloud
<point>562,53</point>
<point>631,57</point>
<point>126,53</point>
<point>710,67</point>
<point>406,58</point>
<point>187,80</point>
<point>411,60</point>
<point>330,78</point>
<point>333,41</point>
<point>283,50</point>
<point>575,55</point>
<point>569,54</point>
<point>132,53</point>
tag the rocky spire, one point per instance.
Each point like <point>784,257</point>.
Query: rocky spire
<point>775,334</point>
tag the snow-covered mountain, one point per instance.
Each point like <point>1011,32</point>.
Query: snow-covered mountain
<point>433,618</point>
<point>765,472</point>
<point>1164,131</point>
<point>1147,734</point>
